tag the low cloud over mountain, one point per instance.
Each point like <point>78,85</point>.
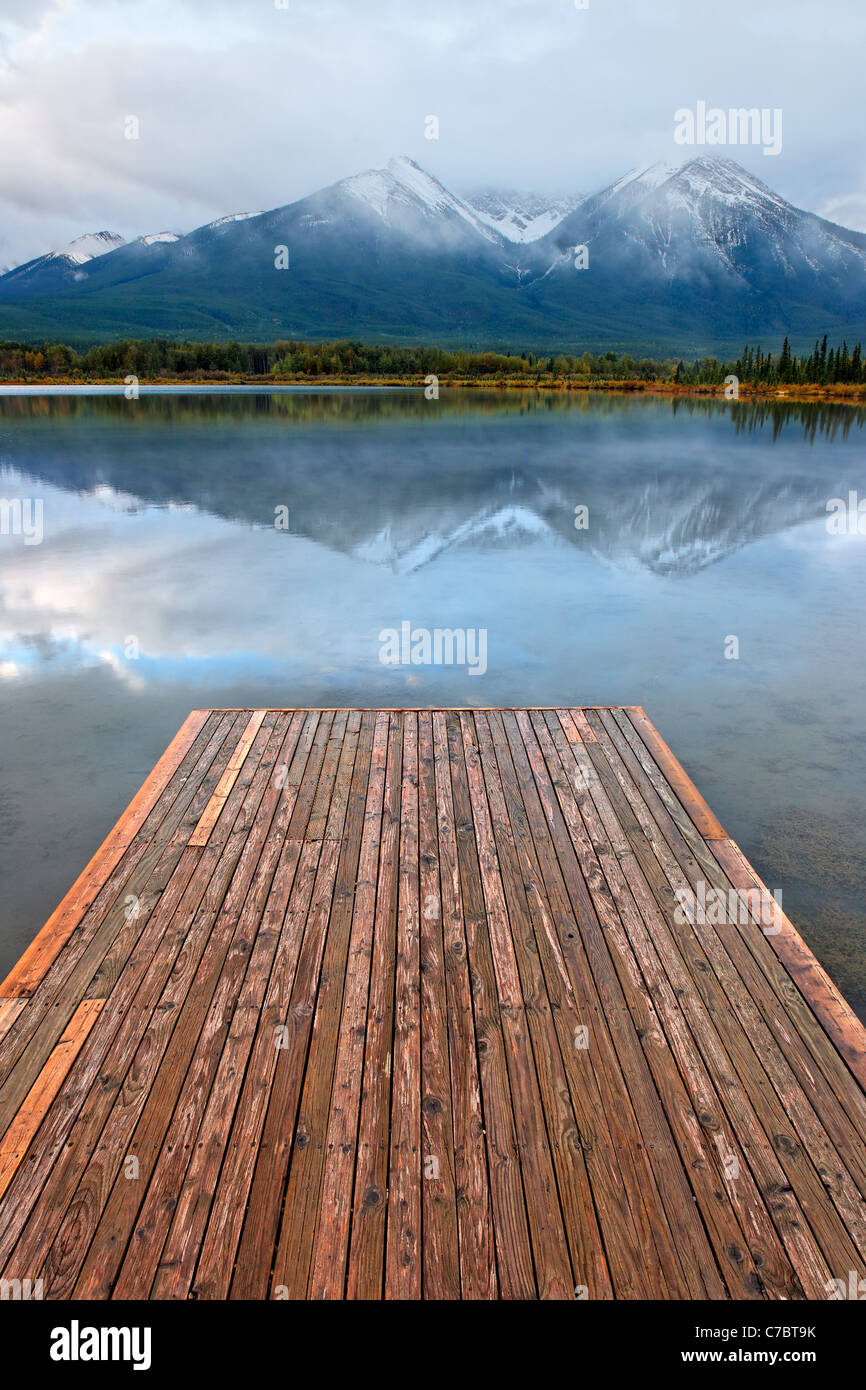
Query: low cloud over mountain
<point>697,258</point>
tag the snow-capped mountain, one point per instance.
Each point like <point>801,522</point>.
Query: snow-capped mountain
<point>84,248</point>
<point>403,193</point>
<point>696,258</point>
<point>521,217</point>
<point>58,267</point>
<point>68,258</point>
<point>709,215</point>
<point>705,251</point>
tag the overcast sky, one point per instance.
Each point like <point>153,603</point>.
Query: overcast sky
<point>245,106</point>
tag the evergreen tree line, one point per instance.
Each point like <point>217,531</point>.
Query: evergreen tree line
<point>824,366</point>
<point>155,358</point>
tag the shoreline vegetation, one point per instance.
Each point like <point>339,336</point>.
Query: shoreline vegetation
<point>827,373</point>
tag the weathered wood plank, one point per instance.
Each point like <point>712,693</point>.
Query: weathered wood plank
<point>366,1268</point>
<point>783,1031</point>
<point>685,1255</point>
<point>212,810</point>
<point>581,1230</point>
<point>603,1134</point>
<point>774,1150</point>
<point>515,1268</point>
<point>643,1259</point>
<point>301,1206</point>
<point>403,1241</point>
<point>550,1249</point>
<point>9,1011</point>
<point>22,1129</point>
<point>478,1278</point>
<point>717,1154</point>
<point>416,1004</point>
<point>299,863</point>
<point>158,1065</point>
<point>801,1022</point>
<point>330,1253</point>
<point>160,1173</point>
<point>262,1222</point>
<point>440,1249</point>
<point>692,1109</point>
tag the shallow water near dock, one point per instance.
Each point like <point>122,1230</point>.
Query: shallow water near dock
<point>161,583</point>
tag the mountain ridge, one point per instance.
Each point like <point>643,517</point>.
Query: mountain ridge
<point>696,257</point>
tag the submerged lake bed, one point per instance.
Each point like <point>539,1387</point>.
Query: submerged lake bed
<point>250,548</point>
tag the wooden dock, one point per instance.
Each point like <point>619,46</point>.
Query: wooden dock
<point>404,1004</point>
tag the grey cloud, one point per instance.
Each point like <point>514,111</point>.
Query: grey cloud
<point>244,106</point>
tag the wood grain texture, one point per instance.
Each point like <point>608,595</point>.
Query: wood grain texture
<point>20,1133</point>
<point>9,1011</point>
<point>418,1004</point>
<point>211,812</point>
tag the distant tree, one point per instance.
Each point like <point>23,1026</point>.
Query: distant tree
<point>785,367</point>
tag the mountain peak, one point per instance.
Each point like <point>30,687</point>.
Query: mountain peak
<point>418,182</point>
<point>85,247</point>
<point>723,180</point>
<point>96,238</point>
<point>654,175</point>
<point>717,170</point>
<point>402,162</point>
<point>695,182</point>
<point>403,189</point>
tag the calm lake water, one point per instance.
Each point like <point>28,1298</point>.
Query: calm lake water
<point>707,521</point>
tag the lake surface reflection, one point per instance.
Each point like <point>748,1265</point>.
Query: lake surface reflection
<point>162,584</point>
